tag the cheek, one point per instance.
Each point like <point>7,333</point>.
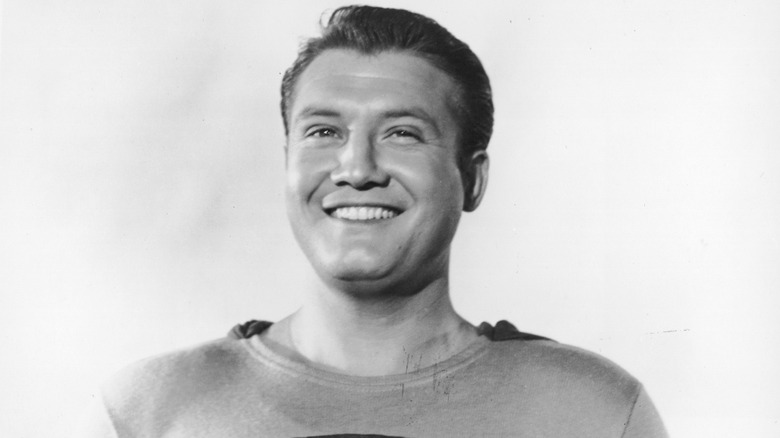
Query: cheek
<point>443,184</point>
<point>305,172</point>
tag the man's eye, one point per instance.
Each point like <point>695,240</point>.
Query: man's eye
<point>405,135</point>
<point>321,132</point>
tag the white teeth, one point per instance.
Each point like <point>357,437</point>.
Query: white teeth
<point>363,213</point>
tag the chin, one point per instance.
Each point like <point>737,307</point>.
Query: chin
<point>356,274</point>
<point>358,279</point>
<point>374,283</point>
<point>358,263</point>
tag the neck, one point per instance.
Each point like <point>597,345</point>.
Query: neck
<point>374,337</point>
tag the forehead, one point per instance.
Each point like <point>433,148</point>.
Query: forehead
<point>387,78</point>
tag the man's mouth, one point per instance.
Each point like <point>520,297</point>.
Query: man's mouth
<point>363,213</point>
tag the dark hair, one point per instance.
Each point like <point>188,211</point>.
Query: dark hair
<point>370,30</point>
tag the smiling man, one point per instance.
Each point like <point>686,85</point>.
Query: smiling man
<point>374,193</point>
<point>387,117</point>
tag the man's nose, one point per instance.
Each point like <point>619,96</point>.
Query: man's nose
<point>358,165</point>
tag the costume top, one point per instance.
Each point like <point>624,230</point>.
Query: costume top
<point>505,383</point>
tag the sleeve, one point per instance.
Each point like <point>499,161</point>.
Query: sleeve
<point>96,423</point>
<point>644,421</point>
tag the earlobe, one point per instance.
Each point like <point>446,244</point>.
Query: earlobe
<point>475,178</point>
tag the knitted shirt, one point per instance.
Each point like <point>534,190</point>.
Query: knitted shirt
<point>506,383</point>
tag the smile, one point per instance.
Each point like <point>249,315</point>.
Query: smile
<point>363,213</point>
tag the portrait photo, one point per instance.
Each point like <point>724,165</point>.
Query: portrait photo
<point>399,218</point>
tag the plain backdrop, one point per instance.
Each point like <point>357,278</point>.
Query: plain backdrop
<point>633,204</point>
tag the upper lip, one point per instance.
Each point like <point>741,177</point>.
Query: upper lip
<point>334,201</point>
<point>330,208</point>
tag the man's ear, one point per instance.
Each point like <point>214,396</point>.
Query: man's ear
<point>475,178</point>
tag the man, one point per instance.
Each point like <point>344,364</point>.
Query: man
<point>387,118</point>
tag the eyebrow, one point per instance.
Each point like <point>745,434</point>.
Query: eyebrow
<point>414,112</point>
<point>311,111</point>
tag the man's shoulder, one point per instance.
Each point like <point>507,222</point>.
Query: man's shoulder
<point>568,389</point>
<point>532,358</point>
<point>190,367</point>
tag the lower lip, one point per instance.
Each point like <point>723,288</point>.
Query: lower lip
<point>363,221</point>
<point>363,216</point>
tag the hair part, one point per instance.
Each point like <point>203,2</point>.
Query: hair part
<point>371,30</point>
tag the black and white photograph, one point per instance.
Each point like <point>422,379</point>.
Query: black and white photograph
<point>390,219</point>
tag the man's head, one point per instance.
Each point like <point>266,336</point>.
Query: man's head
<point>379,161</point>
<point>372,30</point>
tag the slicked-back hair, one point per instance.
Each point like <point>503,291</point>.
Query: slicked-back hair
<point>371,30</point>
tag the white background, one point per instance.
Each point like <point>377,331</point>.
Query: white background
<point>632,210</point>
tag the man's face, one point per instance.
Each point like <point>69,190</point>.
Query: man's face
<point>374,193</point>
